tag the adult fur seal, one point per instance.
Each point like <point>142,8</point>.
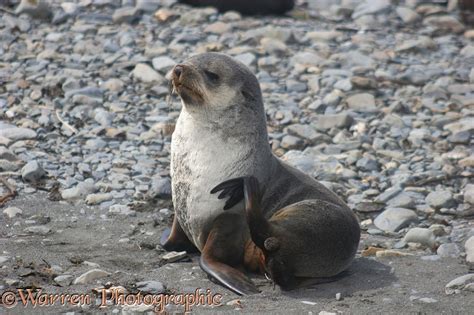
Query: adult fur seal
<point>247,7</point>
<point>268,216</point>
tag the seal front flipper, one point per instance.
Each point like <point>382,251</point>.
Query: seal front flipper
<point>229,277</point>
<point>175,239</point>
<point>224,251</point>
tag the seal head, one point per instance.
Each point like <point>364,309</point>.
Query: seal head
<point>215,80</point>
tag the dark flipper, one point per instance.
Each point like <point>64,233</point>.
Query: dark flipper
<point>175,239</point>
<point>247,188</point>
<point>229,277</point>
<point>224,249</point>
<point>232,189</point>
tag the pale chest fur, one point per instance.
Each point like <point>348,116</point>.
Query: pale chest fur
<point>200,160</point>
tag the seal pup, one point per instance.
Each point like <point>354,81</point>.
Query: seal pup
<point>268,216</point>
<point>247,7</point>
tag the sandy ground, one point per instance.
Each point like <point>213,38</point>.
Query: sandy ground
<point>80,233</point>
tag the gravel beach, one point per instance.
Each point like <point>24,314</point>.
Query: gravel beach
<point>375,99</point>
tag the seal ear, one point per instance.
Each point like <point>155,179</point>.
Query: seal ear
<point>271,244</point>
<point>249,96</point>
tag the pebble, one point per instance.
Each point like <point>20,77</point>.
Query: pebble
<point>469,247</point>
<point>174,256</point>
<point>147,74</point>
<point>15,133</point>
<point>80,191</point>
<point>448,250</point>
<point>12,212</point>
<point>94,199</point>
<point>32,172</point>
<point>90,276</point>
<point>362,102</point>
<point>394,219</point>
<point>407,15</point>
<point>326,122</point>
<point>4,259</point>
<point>121,210</point>
<point>461,283</point>
<point>423,236</point>
<point>150,287</point>
<point>469,194</point>
<point>440,199</point>
<point>163,64</point>
<point>64,280</point>
<point>38,230</point>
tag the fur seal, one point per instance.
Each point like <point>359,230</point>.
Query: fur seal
<point>246,7</point>
<point>268,216</point>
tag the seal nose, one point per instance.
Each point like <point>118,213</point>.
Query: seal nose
<point>178,70</point>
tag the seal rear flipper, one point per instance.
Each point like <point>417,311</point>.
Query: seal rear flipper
<point>228,276</point>
<point>175,239</point>
<point>232,189</point>
<point>248,188</point>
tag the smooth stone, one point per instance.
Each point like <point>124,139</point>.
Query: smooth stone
<point>247,59</point>
<point>114,85</point>
<point>371,7</point>
<point>163,64</point>
<point>94,199</point>
<point>35,9</point>
<point>4,259</point>
<point>362,102</point>
<point>407,15</point>
<point>402,200</point>
<point>459,284</point>
<point>290,142</point>
<point>12,212</point>
<point>121,210</point>
<point>174,256</point>
<point>423,236</point>
<point>161,188</point>
<point>38,230</point>
<point>440,199</point>
<point>90,276</point>
<point>306,59</point>
<point>448,250</point>
<point>147,74</point>
<point>6,154</point>
<point>7,166</point>
<point>469,247</point>
<point>367,164</point>
<point>151,287</point>
<point>14,133</point>
<point>304,131</point>
<point>445,23</point>
<point>394,219</point>
<point>326,122</point>
<point>218,28</point>
<point>126,15</point>
<point>64,280</point>
<point>80,191</point>
<point>32,172</point>
<point>468,194</point>
<point>388,194</point>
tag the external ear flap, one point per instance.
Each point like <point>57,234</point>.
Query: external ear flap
<point>247,95</point>
<point>271,244</point>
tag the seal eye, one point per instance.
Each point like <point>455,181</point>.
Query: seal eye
<point>211,76</point>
